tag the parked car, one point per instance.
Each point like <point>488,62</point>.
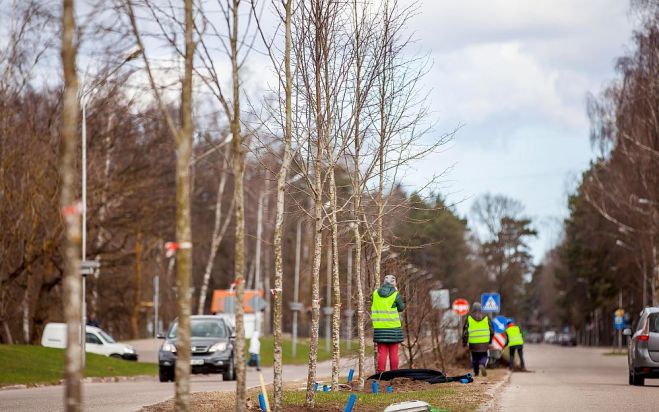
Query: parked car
<point>550,337</point>
<point>212,346</point>
<point>98,341</point>
<point>533,337</point>
<point>643,353</point>
<point>567,339</point>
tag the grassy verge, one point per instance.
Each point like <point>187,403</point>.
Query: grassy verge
<point>32,365</point>
<point>302,354</point>
<point>454,397</point>
<point>441,395</point>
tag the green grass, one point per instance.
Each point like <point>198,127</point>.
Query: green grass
<point>31,365</point>
<point>302,355</point>
<point>438,397</point>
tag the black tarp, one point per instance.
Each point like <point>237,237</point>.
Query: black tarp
<point>428,375</point>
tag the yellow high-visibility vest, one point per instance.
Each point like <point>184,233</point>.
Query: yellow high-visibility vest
<point>479,331</point>
<point>514,336</point>
<point>383,314</point>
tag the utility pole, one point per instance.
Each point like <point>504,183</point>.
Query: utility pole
<point>620,331</point>
<point>83,318</point>
<point>156,304</point>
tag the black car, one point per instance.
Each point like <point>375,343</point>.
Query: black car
<point>212,347</point>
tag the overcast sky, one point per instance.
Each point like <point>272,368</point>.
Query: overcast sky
<point>516,74</point>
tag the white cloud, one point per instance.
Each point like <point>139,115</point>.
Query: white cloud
<point>516,74</point>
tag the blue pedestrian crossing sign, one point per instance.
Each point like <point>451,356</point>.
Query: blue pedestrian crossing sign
<point>619,319</point>
<point>491,302</point>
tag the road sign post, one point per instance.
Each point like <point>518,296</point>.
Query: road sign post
<point>619,325</point>
<point>87,267</point>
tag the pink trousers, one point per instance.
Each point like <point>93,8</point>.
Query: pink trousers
<point>385,349</point>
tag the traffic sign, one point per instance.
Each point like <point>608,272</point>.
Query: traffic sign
<point>498,341</point>
<point>439,298</point>
<point>461,306</point>
<point>499,323</point>
<point>491,302</point>
<point>619,319</point>
<point>257,303</point>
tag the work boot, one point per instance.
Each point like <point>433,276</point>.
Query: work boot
<point>484,370</point>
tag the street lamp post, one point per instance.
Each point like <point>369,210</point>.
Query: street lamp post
<point>83,102</point>
<point>654,222</point>
<point>624,245</point>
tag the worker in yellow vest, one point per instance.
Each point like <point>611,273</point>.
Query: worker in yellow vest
<point>387,331</point>
<point>515,343</point>
<point>478,332</point>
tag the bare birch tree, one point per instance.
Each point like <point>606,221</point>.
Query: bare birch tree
<point>183,139</point>
<point>311,34</point>
<point>219,230</point>
<point>279,219</point>
<point>69,205</point>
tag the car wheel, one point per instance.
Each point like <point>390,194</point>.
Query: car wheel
<point>637,380</point>
<point>116,356</point>
<point>166,374</point>
<point>230,373</point>
<point>631,378</point>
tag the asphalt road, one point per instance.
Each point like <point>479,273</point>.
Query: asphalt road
<point>575,379</point>
<point>132,395</point>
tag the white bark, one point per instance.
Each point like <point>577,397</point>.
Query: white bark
<point>219,229</point>
<point>279,219</point>
<point>336,284</point>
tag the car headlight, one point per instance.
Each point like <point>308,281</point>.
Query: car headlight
<point>218,347</point>
<point>129,349</point>
<point>168,347</point>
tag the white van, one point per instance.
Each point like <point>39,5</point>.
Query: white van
<point>98,341</point>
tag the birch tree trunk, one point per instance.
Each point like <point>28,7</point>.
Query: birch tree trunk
<point>382,134</point>
<point>279,219</point>
<point>72,230</point>
<point>25,305</point>
<point>336,284</point>
<point>238,163</point>
<point>318,212</point>
<point>315,284</point>
<point>137,291</point>
<point>183,233</point>
<point>219,230</point>
<point>357,196</point>
<point>183,138</point>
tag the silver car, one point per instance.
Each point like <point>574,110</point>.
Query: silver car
<point>643,353</point>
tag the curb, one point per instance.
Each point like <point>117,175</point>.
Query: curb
<point>491,403</point>
<point>91,379</point>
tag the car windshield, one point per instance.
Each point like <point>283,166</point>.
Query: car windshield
<point>107,337</point>
<point>202,328</point>
<point>653,322</point>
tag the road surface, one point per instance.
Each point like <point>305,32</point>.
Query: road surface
<point>132,395</point>
<point>575,379</point>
